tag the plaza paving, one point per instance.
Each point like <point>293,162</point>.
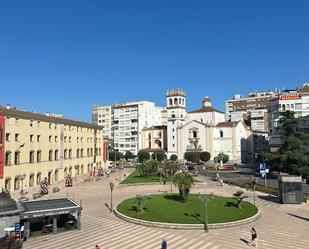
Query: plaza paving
<point>281,226</point>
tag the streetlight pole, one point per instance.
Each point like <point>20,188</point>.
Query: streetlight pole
<point>253,181</point>
<point>111,185</point>
<point>204,198</point>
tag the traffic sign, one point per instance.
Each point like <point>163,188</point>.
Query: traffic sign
<point>262,166</point>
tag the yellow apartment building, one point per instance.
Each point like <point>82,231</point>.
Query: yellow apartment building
<point>34,146</point>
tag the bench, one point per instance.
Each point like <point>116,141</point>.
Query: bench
<point>56,189</point>
<point>36,196</point>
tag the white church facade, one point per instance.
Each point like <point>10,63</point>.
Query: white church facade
<point>205,129</point>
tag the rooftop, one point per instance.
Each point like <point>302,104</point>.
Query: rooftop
<point>205,109</point>
<point>9,112</point>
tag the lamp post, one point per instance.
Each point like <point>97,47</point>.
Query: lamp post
<point>204,198</point>
<point>111,185</point>
<point>253,181</point>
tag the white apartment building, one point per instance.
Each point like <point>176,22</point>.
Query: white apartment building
<point>293,100</point>
<point>102,115</point>
<point>128,121</point>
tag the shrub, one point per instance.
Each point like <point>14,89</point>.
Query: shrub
<point>173,157</point>
<point>191,156</point>
<point>205,156</point>
<point>143,155</point>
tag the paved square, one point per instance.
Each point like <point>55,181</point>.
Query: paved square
<point>281,226</point>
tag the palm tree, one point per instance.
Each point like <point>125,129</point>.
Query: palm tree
<point>184,182</point>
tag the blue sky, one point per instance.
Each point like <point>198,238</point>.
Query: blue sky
<point>63,56</point>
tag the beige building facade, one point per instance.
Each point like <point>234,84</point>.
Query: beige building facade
<point>34,146</point>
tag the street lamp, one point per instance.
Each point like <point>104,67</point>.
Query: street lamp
<point>112,186</point>
<point>253,181</point>
<point>205,199</point>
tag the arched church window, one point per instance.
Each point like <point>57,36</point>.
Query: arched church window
<point>175,101</point>
<point>171,101</point>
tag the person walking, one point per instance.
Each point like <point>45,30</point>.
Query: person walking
<point>253,241</point>
<point>164,244</point>
<point>97,247</point>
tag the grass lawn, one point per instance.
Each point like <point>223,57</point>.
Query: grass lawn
<point>167,208</point>
<point>136,177</point>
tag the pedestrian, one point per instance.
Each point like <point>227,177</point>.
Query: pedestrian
<point>97,247</point>
<point>253,241</point>
<point>221,182</point>
<point>164,244</point>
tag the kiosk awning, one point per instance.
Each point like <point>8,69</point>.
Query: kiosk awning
<point>41,208</point>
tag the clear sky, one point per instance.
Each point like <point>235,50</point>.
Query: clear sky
<point>63,56</point>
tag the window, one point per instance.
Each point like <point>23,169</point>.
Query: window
<point>221,133</point>
<point>50,138</point>
<point>70,139</point>
<point>88,152</point>
<point>31,123</point>
<point>77,153</point>
<point>50,155</point>
<point>70,153</point>
<point>81,153</point>
<point>38,124</point>
<point>91,152</point>
<point>17,157</point>
<point>56,138</point>
<point>17,137</point>
<point>8,120</point>
<point>38,138</point>
<point>77,139</point>
<point>17,121</point>
<point>31,156</point>
<point>7,137</point>
<point>65,139</point>
<point>17,183</point>
<point>194,133</point>
<point>31,180</point>
<point>56,155</point>
<point>31,137</point>
<point>38,156</point>
<point>7,159</point>
<point>56,175</point>
<point>65,154</point>
<point>50,125</point>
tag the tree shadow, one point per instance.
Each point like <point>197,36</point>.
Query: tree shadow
<point>172,197</point>
<point>270,198</point>
<point>243,240</point>
<point>196,216</point>
<point>299,217</point>
<point>230,204</point>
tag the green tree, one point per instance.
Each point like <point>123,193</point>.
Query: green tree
<point>173,157</point>
<point>205,156</point>
<point>239,196</point>
<point>221,157</point>
<point>191,156</point>
<point>143,155</point>
<point>159,155</point>
<point>293,155</point>
<point>148,168</point>
<point>171,168</point>
<point>140,203</point>
<point>184,182</point>
<point>128,155</point>
<point>119,155</point>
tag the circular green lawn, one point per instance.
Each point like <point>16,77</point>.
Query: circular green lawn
<point>167,208</point>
